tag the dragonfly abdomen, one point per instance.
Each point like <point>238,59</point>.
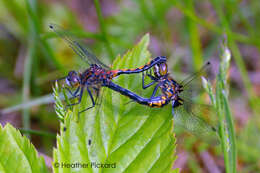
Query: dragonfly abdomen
<point>126,92</point>
<point>159,101</point>
<point>150,64</point>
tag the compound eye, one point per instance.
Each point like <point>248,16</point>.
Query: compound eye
<point>163,69</point>
<point>72,79</point>
<point>156,70</point>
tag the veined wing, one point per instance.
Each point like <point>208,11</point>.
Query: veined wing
<point>80,50</point>
<point>189,79</point>
<point>194,124</point>
<point>190,115</point>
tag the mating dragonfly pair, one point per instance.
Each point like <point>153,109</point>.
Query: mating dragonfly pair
<point>99,75</point>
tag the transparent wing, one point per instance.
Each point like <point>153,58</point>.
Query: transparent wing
<point>192,92</point>
<point>192,85</point>
<point>194,124</point>
<point>80,50</point>
<point>192,116</point>
<point>203,70</point>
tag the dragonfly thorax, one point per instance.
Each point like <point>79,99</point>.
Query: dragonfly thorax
<point>169,87</point>
<point>95,76</point>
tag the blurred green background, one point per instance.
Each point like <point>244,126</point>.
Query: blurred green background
<point>187,32</point>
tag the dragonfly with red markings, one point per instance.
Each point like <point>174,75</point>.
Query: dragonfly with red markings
<point>98,74</point>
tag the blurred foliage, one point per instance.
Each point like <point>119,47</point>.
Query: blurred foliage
<point>188,32</point>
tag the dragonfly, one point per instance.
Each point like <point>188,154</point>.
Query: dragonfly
<point>97,75</point>
<point>179,95</point>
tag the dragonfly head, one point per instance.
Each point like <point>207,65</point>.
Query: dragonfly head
<point>73,79</point>
<point>160,70</point>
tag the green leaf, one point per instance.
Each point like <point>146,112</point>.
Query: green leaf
<point>131,137</point>
<point>17,153</point>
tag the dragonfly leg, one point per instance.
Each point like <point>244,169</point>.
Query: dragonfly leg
<point>73,97</point>
<point>69,91</point>
<point>93,103</point>
<point>173,102</point>
<point>152,77</point>
<point>80,97</point>
<point>149,74</point>
<point>97,94</point>
<point>76,92</point>
<point>154,91</point>
<point>92,99</point>
<point>148,85</point>
<point>73,94</point>
<point>153,94</point>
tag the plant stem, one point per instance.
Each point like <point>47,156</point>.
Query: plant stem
<point>103,28</point>
<point>37,132</point>
<point>194,39</point>
<point>32,41</point>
